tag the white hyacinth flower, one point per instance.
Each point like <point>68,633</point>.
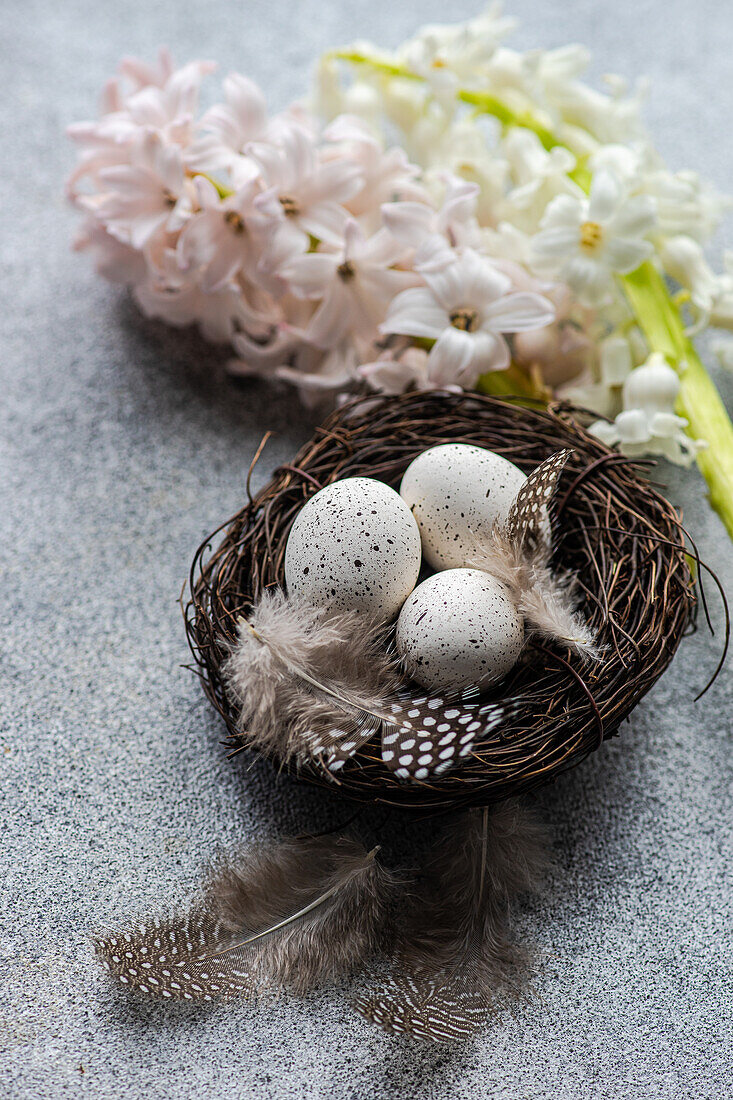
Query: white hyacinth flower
<point>648,424</point>
<point>585,241</point>
<point>538,177</point>
<point>466,307</point>
<point>448,55</point>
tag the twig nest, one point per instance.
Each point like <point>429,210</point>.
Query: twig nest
<point>457,494</point>
<point>354,546</point>
<point>611,528</point>
<point>459,629</point>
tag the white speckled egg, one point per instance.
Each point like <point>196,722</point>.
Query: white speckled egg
<point>456,493</point>
<point>355,546</point>
<point>459,629</point>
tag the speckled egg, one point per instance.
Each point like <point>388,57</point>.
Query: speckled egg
<point>355,546</point>
<point>459,629</point>
<point>456,493</point>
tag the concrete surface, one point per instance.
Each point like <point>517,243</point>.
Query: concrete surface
<point>122,445</point>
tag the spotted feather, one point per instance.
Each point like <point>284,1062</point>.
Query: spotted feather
<point>528,523</point>
<point>454,960</point>
<point>432,733</point>
<point>170,958</point>
<point>286,916</point>
<point>448,1006</point>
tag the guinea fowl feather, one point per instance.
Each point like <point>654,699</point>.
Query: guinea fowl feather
<point>283,917</point>
<point>454,959</point>
<point>546,600</point>
<point>315,685</point>
<point>518,554</point>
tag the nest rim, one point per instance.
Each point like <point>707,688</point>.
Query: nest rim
<point>637,588</point>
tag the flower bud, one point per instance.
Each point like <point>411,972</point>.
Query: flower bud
<point>652,387</point>
<point>683,259</point>
<point>616,363</point>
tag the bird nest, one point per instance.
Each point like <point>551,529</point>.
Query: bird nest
<point>620,537</point>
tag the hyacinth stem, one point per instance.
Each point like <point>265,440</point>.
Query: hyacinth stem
<point>512,382</point>
<point>654,308</point>
<point>699,401</point>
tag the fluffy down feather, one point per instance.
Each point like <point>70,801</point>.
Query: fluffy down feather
<point>283,917</point>
<point>454,958</point>
<point>306,679</point>
<point>546,600</point>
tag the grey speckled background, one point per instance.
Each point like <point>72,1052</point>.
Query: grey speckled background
<point>121,446</point>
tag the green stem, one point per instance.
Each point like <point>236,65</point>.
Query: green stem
<point>512,382</point>
<point>507,116</point>
<point>377,64</point>
<point>699,401</point>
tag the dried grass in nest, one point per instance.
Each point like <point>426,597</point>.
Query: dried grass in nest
<point>623,540</point>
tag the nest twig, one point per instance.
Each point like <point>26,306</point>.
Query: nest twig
<point>621,538</point>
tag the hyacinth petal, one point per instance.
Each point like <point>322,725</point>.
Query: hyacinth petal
<point>247,102</point>
<point>590,279</point>
<point>555,242</point>
<point>408,221</point>
<point>383,250</point>
<point>518,312</point>
<point>325,221</point>
<point>563,211</point>
<point>207,195</point>
<point>433,254</point>
<point>311,380</point>
<point>338,181</point>
<point>491,352</point>
<point>483,281</point>
<point>461,198</point>
<point>451,354</point>
<point>353,239</point>
<point>469,282</point>
<point>635,218</point>
<point>144,227</point>
<point>223,265</point>
<point>415,312</point>
<point>198,241</point>
<point>270,160</point>
<point>605,196</point>
<point>385,284</point>
<point>309,275</point>
<point>625,255</point>
<point>388,376</point>
<point>288,241</point>
<point>332,320</point>
<point>299,154</point>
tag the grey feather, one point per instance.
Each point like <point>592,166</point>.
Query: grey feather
<point>284,917</point>
<point>306,680</point>
<point>518,554</point>
<point>454,959</point>
<point>314,685</point>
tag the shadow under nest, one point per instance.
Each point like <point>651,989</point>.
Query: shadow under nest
<point>611,528</point>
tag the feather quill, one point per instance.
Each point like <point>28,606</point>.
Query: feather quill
<point>454,959</point>
<point>288,917</point>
